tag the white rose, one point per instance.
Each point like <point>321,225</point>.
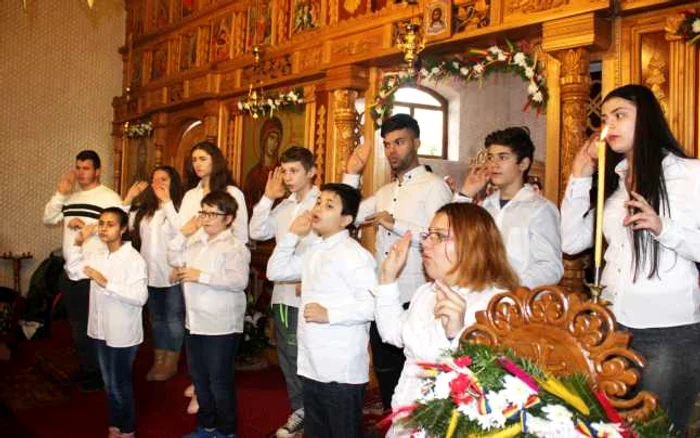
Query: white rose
<point>538,97</point>
<point>464,71</point>
<point>532,88</point>
<point>435,70</point>
<point>455,64</point>
<point>479,68</point>
<point>529,72</point>
<point>494,49</point>
<point>520,59</point>
<point>696,25</point>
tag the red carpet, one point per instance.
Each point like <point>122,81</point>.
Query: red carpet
<point>33,403</point>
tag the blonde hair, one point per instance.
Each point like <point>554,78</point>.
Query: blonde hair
<point>481,256</point>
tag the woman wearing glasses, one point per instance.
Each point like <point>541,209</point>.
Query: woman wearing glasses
<point>213,268</point>
<point>463,254</point>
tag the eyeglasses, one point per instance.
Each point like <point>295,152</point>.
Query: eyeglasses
<point>209,214</point>
<point>502,157</point>
<point>435,236</point>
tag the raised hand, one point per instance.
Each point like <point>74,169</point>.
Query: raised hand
<point>396,259</point>
<point>644,218</point>
<point>95,275</point>
<point>135,190</point>
<point>585,161</point>
<point>85,233</point>
<point>314,312</point>
<point>162,192</point>
<point>191,226</point>
<point>450,307</point>
<point>76,223</point>
<point>475,180</point>
<point>382,218</point>
<point>301,225</point>
<point>65,183</point>
<point>274,187</point>
<point>357,160</point>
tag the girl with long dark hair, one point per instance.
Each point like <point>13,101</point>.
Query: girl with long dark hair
<point>652,228</point>
<point>155,223</point>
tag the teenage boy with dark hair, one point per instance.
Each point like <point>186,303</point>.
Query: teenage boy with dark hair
<point>529,223</point>
<point>77,209</point>
<point>294,175</point>
<point>336,275</point>
<point>409,202</point>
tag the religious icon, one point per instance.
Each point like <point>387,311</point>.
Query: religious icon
<point>437,20</point>
<point>259,26</point>
<point>162,15</point>
<point>305,16</point>
<point>187,8</point>
<point>160,62</point>
<point>188,51</point>
<point>221,39</point>
<point>270,141</point>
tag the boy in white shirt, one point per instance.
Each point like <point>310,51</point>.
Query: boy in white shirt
<point>336,275</point>
<point>213,266</point>
<point>295,174</point>
<point>528,222</point>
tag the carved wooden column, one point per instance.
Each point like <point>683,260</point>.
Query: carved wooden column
<point>344,81</point>
<point>118,140</point>
<point>160,136</point>
<point>211,120</point>
<point>570,40</point>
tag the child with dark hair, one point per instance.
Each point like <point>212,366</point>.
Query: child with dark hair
<point>333,332</point>
<point>213,268</point>
<point>294,175</point>
<point>528,222</point>
<point>117,274</point>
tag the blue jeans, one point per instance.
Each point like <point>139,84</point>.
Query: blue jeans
<point>672,371</point>
<point>116,365</point>
<point>210,360</point>
<point>285,318</point>
<point>166,307</point>
<point>333,410</point>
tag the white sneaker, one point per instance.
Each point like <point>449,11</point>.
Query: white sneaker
<point>293,426</point>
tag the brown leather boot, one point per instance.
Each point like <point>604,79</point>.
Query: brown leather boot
<point>169,368</point>
<point>158,362</point>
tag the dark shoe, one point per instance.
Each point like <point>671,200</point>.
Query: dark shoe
<point>91,385</point>
<point>201,432</point>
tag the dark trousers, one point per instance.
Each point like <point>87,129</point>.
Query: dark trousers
<point>116,365</point>
<point>387,361</point>
<point>76,296</point>
<point>285,318</point>
<point>672,371</point>
<point>210,360</point>
<point>333,410</point>
<point>166,307</point>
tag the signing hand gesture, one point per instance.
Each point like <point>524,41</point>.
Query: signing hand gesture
<point>274,187</point>
<point>357,160</point>
<point>76,224</point>
<point>396,259</point>
<point>135,190</point>
<point>162,192</point>
<point>191,226</point>
<point>301,225</point>
<point>382,218</point>
<point>475,181</point>
<point>314,312</point>
<point>644,217</point>
<point>188,274</point>
<point>95,275</point>
<point>585,161</point>
<point>65,183</point>
<point>450,307</point>
<point>85,233</point>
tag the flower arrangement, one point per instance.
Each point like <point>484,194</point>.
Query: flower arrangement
<point>478,65</point>
<point>483,392</point>
<point>689,27</point>
<point>260,105</point>
<point>140,129</point>
<point>254,337</point>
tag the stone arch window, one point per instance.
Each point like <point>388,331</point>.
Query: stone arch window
<point>429,108</point>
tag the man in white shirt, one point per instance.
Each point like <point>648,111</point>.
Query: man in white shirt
<point>295,174</point>
<point>77,209</point>
<point>407,203</point>
<point>528,222</point>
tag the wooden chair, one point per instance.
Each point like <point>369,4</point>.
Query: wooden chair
<point>565,334</point>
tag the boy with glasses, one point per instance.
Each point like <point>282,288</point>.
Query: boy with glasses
<point>213,267</point>
<point>529,224</point>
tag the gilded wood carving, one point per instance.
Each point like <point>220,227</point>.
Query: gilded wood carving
<point>564,334</point>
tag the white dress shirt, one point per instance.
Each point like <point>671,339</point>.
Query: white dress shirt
<point>268,222</point>
<point>670,298</point>
<point>530,227</point>
<point>214,305</point>
<point>336,273</point>
<point>413,203</point>
<point>419,333</point>
<point>115,310</point>
<point>156,233</point>
<point>192,203</point>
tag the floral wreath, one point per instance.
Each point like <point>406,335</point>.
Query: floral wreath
<point>689,28</point>
<point>478,65</point>
<point>273,103</point>
<point>140,129</point>
<point>489,393</point>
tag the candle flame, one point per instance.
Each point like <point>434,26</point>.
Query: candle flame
<point>604,133</point>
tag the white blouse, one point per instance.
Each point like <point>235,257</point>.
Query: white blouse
<point>191,204</point>
<point>156,232</point>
